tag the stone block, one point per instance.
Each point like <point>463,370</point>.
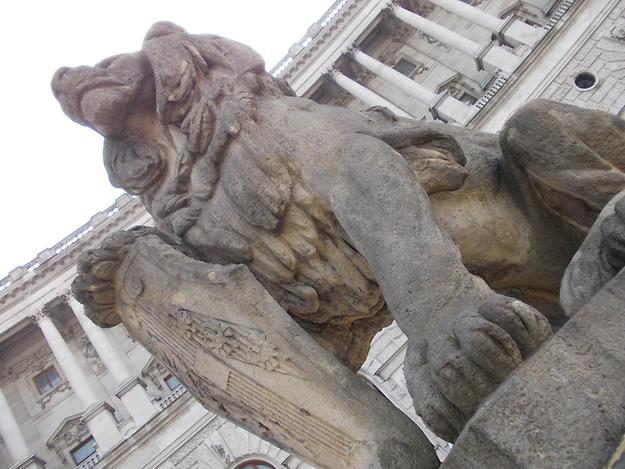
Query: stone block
<point>564,408</point>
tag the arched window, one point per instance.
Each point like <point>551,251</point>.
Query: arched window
<point>255,464</point>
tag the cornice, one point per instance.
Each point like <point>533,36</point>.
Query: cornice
<point>319,41</point>
<point>125,212</point>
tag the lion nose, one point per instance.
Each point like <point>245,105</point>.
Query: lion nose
<point>57,80</point>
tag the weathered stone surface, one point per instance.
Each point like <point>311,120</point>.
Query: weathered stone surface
<point>346,218</point>
<point>565,407</point>
<point>600,257</point>
<point>237,351</point>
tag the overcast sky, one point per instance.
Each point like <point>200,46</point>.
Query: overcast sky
<point>52,179</point>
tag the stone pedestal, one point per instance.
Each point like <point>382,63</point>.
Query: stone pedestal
<point>132,393</point>
<point>102,424</point>
<point>565,407</point>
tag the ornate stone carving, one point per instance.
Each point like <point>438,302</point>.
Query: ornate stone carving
<point>231,341</point>
<point>434,41</point>
<point>399,38</point>
<point>68,434</point>
<point>327,208</point>
<point>47,398</point>
<point>219,449</point>
<point>87,349</point>
<point>618,31</point>
<point>38,316</point>
<point>198,439</point>
<point>37,361</point>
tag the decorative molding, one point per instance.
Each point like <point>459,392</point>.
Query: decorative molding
<point>617,31</point>
<point>70,432</point>
<point>38,316</point>
<point>47,397</point>
<point>29,462</point>
<point>179,457</point>
<point>127,385</point>
<point>50,264</point>
<point>228,340</point>
<point>87,348</point>
<point>434,42</point>
<point>153,368</point>
<point>320,39</point>
<point>95,409</point>
<point>35,362</point>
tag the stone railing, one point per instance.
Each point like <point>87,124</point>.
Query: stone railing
<point>76,236</point>
<point>173,396</point>
<point>500,80</point>
<point>558,14</point>
<point>300,45</point>
<point>491,91</point>
<point>91,461</point>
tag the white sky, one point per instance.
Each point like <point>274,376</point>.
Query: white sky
<point>52,179</point>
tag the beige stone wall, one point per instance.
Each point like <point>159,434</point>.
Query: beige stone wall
<point>603,54</point>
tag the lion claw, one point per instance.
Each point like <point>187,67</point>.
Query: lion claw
<point>467,363</point>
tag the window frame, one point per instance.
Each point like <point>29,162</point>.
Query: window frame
<point>168,376</point>
<point>407,61</point>
<point>53,387</point>
<point>81,445</point>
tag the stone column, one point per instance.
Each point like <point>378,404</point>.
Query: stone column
<point>486,55</point>
<point>131,388</point>
<point>365,95</point>
<point>14,440</point>
<point>99,415</point>
<point>447,107</point>
<point>510,29</point>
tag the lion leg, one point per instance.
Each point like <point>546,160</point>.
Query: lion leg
<point>464,365</point>
<point>458,322</point>
<point>573,158</point>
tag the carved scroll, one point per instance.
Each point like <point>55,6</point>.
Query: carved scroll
<point>245,358</point>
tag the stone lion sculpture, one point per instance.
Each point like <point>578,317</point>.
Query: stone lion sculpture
<point>350,220</point>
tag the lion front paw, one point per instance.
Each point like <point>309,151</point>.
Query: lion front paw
<point>467,363</point>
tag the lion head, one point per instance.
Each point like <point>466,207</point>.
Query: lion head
<point>167,114</point>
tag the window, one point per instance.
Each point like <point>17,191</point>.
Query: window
<point>47,380</point>
<point>255,464</point>
<point>83,450</point>
<point>585,81</point>
<point>405,67</point>
<point>467,98</point>
<point>172,382</point>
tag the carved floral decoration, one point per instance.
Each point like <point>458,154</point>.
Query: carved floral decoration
<point>231,341</point>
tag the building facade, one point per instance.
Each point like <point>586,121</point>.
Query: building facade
<point>74,395</point>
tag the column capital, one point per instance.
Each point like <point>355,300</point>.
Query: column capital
<point>350,50</point>
<point>388,9</point>
<point>38,316</point>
